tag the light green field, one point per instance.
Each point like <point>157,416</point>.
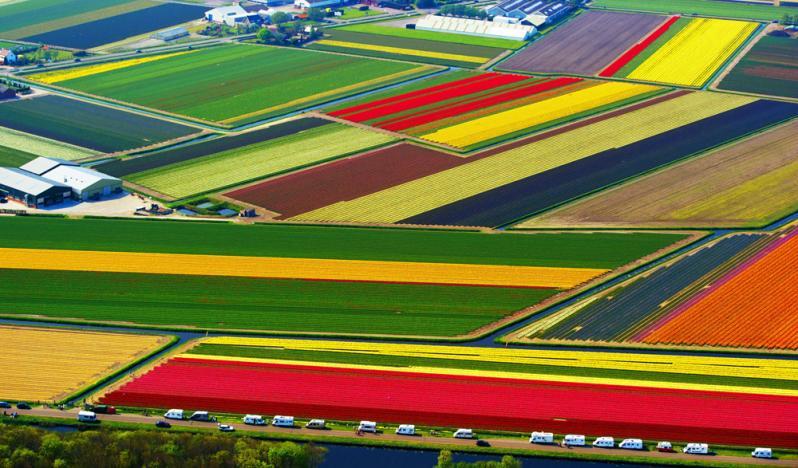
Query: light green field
<point>434,36</point>
<point>260,160</point>
<point>32,144</point>
<point>724,9</point>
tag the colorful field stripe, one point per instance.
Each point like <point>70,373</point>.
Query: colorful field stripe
<point>66,74</point>
<point>298,268</point>
<point>401,51</point>
<point>636,49</point>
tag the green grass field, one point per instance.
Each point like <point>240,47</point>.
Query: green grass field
<point>259,160</point>
<point>14,157</point>
<point>590,250</point>
<point>373,28</point>
<point>261,304</point>
<point>354,13</point>
<point>724,9</point>
<point>31,144</point>
<point>237,84</point>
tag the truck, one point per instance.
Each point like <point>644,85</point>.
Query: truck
<point>283,421</point>
<point>100,409</point>
<point>254,420</point>
<point>202,416</point>
<point>463,434</point>
<point>696,449</point>
<point>604,442</point>
<point>406,429</point>
<point>541,438</point>
<point>173,414</point>
<point>574,440</point>
<point>87,416</point>
<point>631,444</point>
<point>316,424</point>
<point>367,426</point>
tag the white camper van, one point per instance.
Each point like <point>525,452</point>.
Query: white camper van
<point>406,429</point>
<point>604,442</point>
<point>541,438</point>
<point>463,434</point>
<point>316,424</point>
<point>283,421</point>
<point>367,426</point>
<point>631,444</point>
<point>574,440</point>
<point>762,453</point>
<point>87,416</point>
<point>174,414</point>
<point>254,420</point>
<point>696,449</point>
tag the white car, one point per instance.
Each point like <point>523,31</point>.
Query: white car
<point>226,428</point>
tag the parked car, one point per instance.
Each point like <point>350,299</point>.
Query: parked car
<point>665,446</point>
<point>316,424</point>
<point>87,416</point>
<point>202,416</point>
<point>23,405</point>
<point>482,443</point>
<point>162,424</point>
<point>463,434</point>
<point>5,404</point>
<point>174,414</point>
<point>226,428</point>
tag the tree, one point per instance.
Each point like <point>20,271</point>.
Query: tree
<point>316,14</point>
<point>280,17</point>
<point>510,462</point>
<point>426,4</point>
<point>445,459</point>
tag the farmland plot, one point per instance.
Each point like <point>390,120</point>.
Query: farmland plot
<point>393,31</point>
<point>770,67</point>
<point>26,143</point>
<point>720,8</point>
<point>237,84</point>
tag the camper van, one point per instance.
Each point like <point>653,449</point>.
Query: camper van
<point>87,416</point>
<point>406,429</point>
<point>665,446</point>
<point>202,416</point>
<point>283,421</point>
<point>631,444</point>
<point>316,424</point>
<point>367,426</point>
<point>541,438</point>
<point>762,453</point>
<point>574,440</point>
<point>174,414</point>
<point>604,442</point>
<point>254,420</point>
<point>696,449</point>
<point>463,434</point>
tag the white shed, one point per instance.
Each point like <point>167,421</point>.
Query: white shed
<point>86,184</point>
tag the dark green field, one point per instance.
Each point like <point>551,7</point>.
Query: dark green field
<point>770,67</point>
<point>14,157</point>
<point>590,250</point>
<point>260,304</point>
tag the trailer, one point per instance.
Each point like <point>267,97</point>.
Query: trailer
<point>367,426</point>
<point>87,416</point>
<point>174,414</point>
<point>283,421</point>
<point>604,442</point>
<point>316,424</point>
<point>762,452</point>
<point>541,438</point>
<point>696,449</point>
<point>406,429</point>
<point>254,420</point>
<point>631,444</point>
<point>574,440</point>
<point>463,434</point>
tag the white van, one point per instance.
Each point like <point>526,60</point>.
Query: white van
<point>631,444</point>
<point>696,449</point>
<point>174,414</point>
<point>541,438</point>
<point>87,416</point>
<point>574,440</point>
<point>762,453</point>
<point>463,434</point>
<point>406,429</point>
<point>316,424</point>
<point>604,442</point>
<point>367,426</point>
<point>283,421</point>
<point>254,420</point>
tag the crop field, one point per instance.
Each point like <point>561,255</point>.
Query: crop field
<point>14,157</point>
<point>354,381</point>
<point>124,167</point>
<point>91,126</point>
<point>748,184</point>
<point>636,54</point>
<point>50,364</point>
<point>32,17</point>
<point>239,165</point>
<point>413,49</point>
<point>382,30</point>
<point>115,28</point>
<point>752,306</point>
<point>235,84</point>
<point>487,108</point>
<point>770,67</point>
<point>739,10</point>
<point>695,53</point>
<point>585,45</point>
<point>572,161</point>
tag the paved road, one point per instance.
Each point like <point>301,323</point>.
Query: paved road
<point>518,444</point>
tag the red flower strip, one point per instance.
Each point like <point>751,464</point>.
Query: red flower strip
<point>633,52</point>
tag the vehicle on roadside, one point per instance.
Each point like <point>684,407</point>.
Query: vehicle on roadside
<point>5,404</point>
<point>367,426</point>
<point>23,405</point>
<point>482,443</point>
<point>604,442</point>
<point>316,424</point>
<point>665,446</point>
<point>762,452</point>
<point>541,438</point>
<point>574,440</point>
<point>254,420</point>
<point>463,434</point>
<point>87,416</point>
<point>174,414</point>
<point>226,427</point>
<point>406,429</point>
<point>631,444</point>
<point>202,416</point>
<point>696,449</point>
<point>283,421</point>
<point>100,409</point>
<point>162,424</point>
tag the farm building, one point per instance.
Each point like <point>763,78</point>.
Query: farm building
<point>170,34</point>
<point>86,184</point>
<point>473,27</point>
<point>532,12</point>
<point>317,3</point>
<point>7,57</point>
<point>232,15</point>
<point>32,190</point>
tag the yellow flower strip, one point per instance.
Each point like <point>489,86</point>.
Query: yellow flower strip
<point>693,55</point>
<point>439,189</point>
<point>333,92</point>
<point>681,364</point>
<point>297,268</point>
<point>531,115</point>
<point>400,51</point>
<point>66,74</point>
<point>48,364</point>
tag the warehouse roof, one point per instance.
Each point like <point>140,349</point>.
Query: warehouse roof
<point>41,165</point>
<point>525,6</point>
<point>26,182</point>
<point>79,178</point>
<point>475,27</point>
